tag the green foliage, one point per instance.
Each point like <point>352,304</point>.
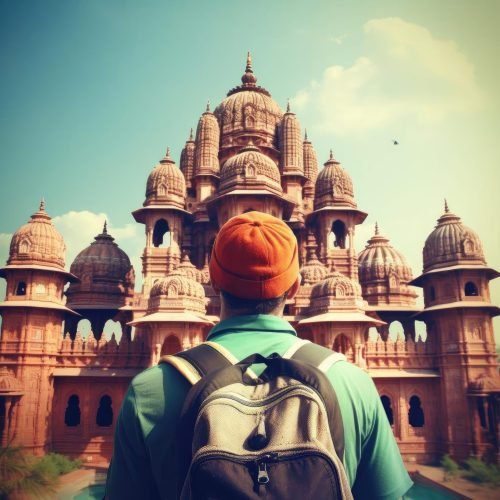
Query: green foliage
<point>451,468</point>
<point>31,476</point>
<point>60,464</point>
<point>480,472</point>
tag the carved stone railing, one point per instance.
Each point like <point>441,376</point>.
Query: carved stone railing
<point>400,354</point>
<point>89,352</point>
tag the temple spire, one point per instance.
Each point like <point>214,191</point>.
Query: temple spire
<point>191,134</point>
<point>305,134</point>
<point>288,106</point>
<point>248,68</point>
<point>208,107</point>
<point>376,228</point>
<point>42,205</point>
<point>105,228</point>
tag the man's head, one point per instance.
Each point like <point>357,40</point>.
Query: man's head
<point>255,264</point>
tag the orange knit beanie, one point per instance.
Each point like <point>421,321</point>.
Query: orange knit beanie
<point>254,256</point>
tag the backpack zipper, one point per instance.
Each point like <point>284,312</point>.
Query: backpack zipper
<point>257,402</point>
<point>262,462</point>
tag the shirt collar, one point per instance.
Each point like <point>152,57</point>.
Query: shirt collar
<point>255,322</point>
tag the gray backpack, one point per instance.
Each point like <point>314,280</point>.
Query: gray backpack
<point>276,436</point>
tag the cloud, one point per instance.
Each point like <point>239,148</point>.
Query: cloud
<point>406,73</point>
<point>339,40</point>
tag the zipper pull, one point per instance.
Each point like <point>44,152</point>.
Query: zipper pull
<point>262,477</point>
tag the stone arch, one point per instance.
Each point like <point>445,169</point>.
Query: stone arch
<point>21,288</point>
<point>84,327</point>
<point>24,246</point>
<point>416,416</point>
<point>470,289</point>
<point>396,330</point>
<point>162,236</point>
<point>387,404</point>
<point>339,231</point>
<point>250,170</point>
<point>171,345</point>
<point>343,344</point>
<point>468,246</point>
<point>111,327</point>
<point>72,414</point>
<point>104,414</point>
<point>162,189</point>
<point>420,330</point>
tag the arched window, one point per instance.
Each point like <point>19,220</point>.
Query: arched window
<point>21,288</point>
<point>432,294</point>
<point>40,289</point>
<point>171,345</point>
<point>161,234</point>
<point>416,413</point>
<point>104,416</point>
<point>386,403</point>
<point>471,289</point>
<point>396,330</point>
<point>340,231</point>
<point>84,327</point>
<point>72,413</point>
<point>342,344</point>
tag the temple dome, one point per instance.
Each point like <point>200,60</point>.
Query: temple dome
<point>333,186</point>
<point>336,285</point>
<point>102,263</point>
<point>9,384</point>
<point>37,243</point>
<point>379,261</point>
<point>313,271</point>
<point>452,243</point>
<point>175,285</point>
<point>247,110</point>
<point>250,169</point>
<point>188,269</point>
<point>166,184</point>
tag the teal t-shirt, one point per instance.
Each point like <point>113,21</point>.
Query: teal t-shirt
<point>144,456</point>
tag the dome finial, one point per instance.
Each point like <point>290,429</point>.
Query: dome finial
<point>248,68</point>
<point>446,209</point>
<point>105,227</point>
<point>305,134</point>
<point>288,105</point>
<point>42,205</point>
<point>167,154</point>
<point>208,107</point>
<point>376,228</point>
<point>331,154</point>
<point>248,79</point>
<point>191,134</point>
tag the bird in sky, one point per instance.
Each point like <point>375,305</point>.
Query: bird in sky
<point>396,143</point>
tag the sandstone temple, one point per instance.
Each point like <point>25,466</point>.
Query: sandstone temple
<point>62,392</point>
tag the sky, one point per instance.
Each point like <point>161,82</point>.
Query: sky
<point>93,91</point>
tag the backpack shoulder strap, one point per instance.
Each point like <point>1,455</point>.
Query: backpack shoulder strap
<point>204,358</point>
<point>314,354</point>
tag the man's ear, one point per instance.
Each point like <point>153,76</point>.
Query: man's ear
<point>294,288</point>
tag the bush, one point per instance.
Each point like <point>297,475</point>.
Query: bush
<point>60,464</point>
<point>478,471</point>
<point>31,476</point>
<point>451,468</point>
